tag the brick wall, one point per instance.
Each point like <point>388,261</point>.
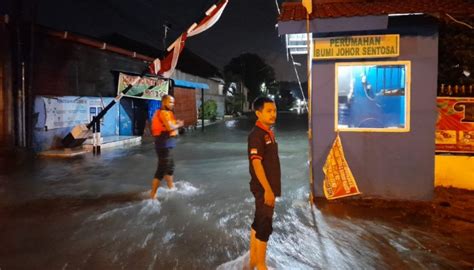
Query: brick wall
<point>4,50</point>
<point>185,105</point>
<point>2,107</point>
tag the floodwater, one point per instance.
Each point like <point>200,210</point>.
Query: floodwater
<point>94,213</point>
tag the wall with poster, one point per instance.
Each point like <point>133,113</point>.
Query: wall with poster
<point>55,116</point>
<point>455,125</point>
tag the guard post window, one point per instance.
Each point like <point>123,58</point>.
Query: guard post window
<point>373,96</point>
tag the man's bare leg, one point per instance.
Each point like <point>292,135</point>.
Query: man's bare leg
<point>253,249</point>
<point>261,255</point>
<point>169,181</point>
<point>154,187</point>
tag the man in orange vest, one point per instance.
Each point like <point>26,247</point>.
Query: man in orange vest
<point>164,127</point>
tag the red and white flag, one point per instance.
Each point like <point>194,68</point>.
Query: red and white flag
<point>167,66</point>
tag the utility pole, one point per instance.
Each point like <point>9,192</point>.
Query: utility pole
<point>166,27</point>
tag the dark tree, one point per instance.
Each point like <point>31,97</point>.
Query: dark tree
<point>252,71</point>
<point>456,54</point>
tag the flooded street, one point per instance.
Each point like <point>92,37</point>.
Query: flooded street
<point>95,213</point>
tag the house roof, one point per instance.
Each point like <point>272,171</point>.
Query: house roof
<point>192,63</point>
<point>294,11</point>
<point>188,62</point>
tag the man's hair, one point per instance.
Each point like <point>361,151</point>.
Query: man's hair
<point>259,102</point>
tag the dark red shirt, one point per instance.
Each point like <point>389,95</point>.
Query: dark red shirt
<point>262,145</point>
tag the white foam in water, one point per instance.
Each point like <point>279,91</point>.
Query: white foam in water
<point>168,236</point>
<point>147,239</point>
<point>150,206</point>
<point>241,263</point>
<point>147,207</point>
<point>107,214</point>
<point>180,187</point>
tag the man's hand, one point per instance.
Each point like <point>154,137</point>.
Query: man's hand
<point>179,123</point>
<point>269,198</point>
<point>268,195</point>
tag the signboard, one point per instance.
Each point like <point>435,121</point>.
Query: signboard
<point>146,87</point>
<point>338,181</point>
<point>455,125</point>
<point>347,47</point>
<point>70,111</point>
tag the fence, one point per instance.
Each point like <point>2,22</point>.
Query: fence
<point>456,90</point>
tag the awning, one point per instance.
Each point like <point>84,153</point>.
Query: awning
<point>188,84</point>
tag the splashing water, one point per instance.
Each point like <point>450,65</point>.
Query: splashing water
<point>95,213</point>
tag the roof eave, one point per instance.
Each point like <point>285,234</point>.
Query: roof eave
<point>340,24</point>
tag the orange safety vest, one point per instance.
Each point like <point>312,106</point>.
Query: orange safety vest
<point>157,126</point>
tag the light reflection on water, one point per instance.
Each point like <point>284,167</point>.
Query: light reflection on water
<point>94,212</point>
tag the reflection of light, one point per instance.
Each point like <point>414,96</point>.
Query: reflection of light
<point>230,123</point>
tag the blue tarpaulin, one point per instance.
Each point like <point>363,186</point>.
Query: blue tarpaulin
<point>191,84</point>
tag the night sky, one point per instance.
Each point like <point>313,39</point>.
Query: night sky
<point>245,26</point>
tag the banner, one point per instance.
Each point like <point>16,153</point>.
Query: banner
<point>455,125</point>
<point>167,65</point>
<point>338,181</point>
<point>64,112</point>
<point>145,87</point>
<point>373,46</point>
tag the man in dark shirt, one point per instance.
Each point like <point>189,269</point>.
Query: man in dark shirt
<point>265,183</point>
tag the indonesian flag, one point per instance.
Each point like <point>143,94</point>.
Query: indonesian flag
<point>167,66</point>
<point>213,14</point>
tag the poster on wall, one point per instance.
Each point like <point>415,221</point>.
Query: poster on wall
<point>64,112</point>
<point>455,125</point>
<point>338,181</point>
<point>146,87</point>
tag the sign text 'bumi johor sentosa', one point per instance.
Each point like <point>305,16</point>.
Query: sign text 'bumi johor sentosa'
<point>373,46</point>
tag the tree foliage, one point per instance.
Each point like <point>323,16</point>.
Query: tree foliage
<point>210,110</point>
<point>252,71</point>
<point>456,54</point>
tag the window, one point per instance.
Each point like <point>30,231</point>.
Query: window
<point>373,96</point>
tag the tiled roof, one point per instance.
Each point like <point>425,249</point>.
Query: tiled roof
<point>294,11</point>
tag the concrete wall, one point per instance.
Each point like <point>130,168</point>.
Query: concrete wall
<point>390,165</point>
<point>65,68</point>
<point>454,171</point>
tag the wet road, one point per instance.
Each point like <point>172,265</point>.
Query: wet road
<point>94,213</point>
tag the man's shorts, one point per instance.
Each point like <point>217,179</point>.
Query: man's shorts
<point>262,223</point>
